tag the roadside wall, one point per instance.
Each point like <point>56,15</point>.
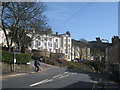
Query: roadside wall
<point>7,68</point>
<point>41,53</point>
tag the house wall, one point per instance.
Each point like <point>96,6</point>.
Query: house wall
<point>113,54</point>
<point>55,44</point>
<point>112,60</point>
<point>83,53</point>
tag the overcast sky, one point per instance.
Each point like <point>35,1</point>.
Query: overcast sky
<point>84,19</point>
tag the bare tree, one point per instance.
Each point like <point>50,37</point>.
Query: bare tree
<point>23,18</point>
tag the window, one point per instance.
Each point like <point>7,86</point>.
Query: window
<point>61,45</point>
<point>56,51</point>
<point>50,44</point>
<point>68,51</point>
<point>36,43</point>
<point>65,40</point>
<point>64,45</point>
<point>45,39</point>
<point>68,40</point>
<point>68,45</point>
<point>33,43</point>
<point>56,40</point>
<point>38,37</point>
<point>4,40</point>
<point>50,39</point>
<point>39,44</point>
<point>68,57</point>
<point>65,50</point>
<point>55,45</point>
<point>45,44</point>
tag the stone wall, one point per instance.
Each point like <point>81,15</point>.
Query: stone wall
<point>7,68</point>
<point>58,55</point>
<point>41,53</point>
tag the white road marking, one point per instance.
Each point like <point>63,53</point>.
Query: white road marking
<point>38,83</point>
<point>61,75</point>
<point>16,75</point>
<point>43,81</point>
<point>48,80</point>
<point>64,76</point>
<point>57,75</point>
<point>73,73</point>
<point>65,72</point>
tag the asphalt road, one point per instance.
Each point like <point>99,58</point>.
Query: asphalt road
<point>53,78</point>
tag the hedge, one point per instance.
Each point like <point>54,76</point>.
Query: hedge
<point>23,58</point>
<point>7,57</point>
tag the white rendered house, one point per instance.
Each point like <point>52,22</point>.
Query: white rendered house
<point>54,43</point>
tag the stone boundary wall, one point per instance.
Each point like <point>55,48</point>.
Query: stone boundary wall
<point>7,68</point>
<point>41,53</point>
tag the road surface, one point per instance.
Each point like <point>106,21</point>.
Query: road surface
<point>56,77</point>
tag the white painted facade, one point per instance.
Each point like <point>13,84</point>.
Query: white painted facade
<point>2,37</point>
<point>83,53</point>
<point>76,51</point>
<point>53,43</point>
<point>3,41</point>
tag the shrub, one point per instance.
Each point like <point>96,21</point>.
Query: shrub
<point>23,58</point>
<point>98,66</point>
<point>7,57</point>
<point>51,61</point>
<point>73,65</point>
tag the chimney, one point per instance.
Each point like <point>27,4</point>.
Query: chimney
<point>57,33</point>
<point>115,39</point>
<point>68,33</point>
<point>98,39</point>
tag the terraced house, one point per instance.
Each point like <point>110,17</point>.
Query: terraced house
<point>80,51</point>
<point>56,43</point>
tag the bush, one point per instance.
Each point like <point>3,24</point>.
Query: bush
<point>7,57</point>
<point>98,66</point>
<point>51,61</point>
<point>72,65</point>
<point>23,58</point>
